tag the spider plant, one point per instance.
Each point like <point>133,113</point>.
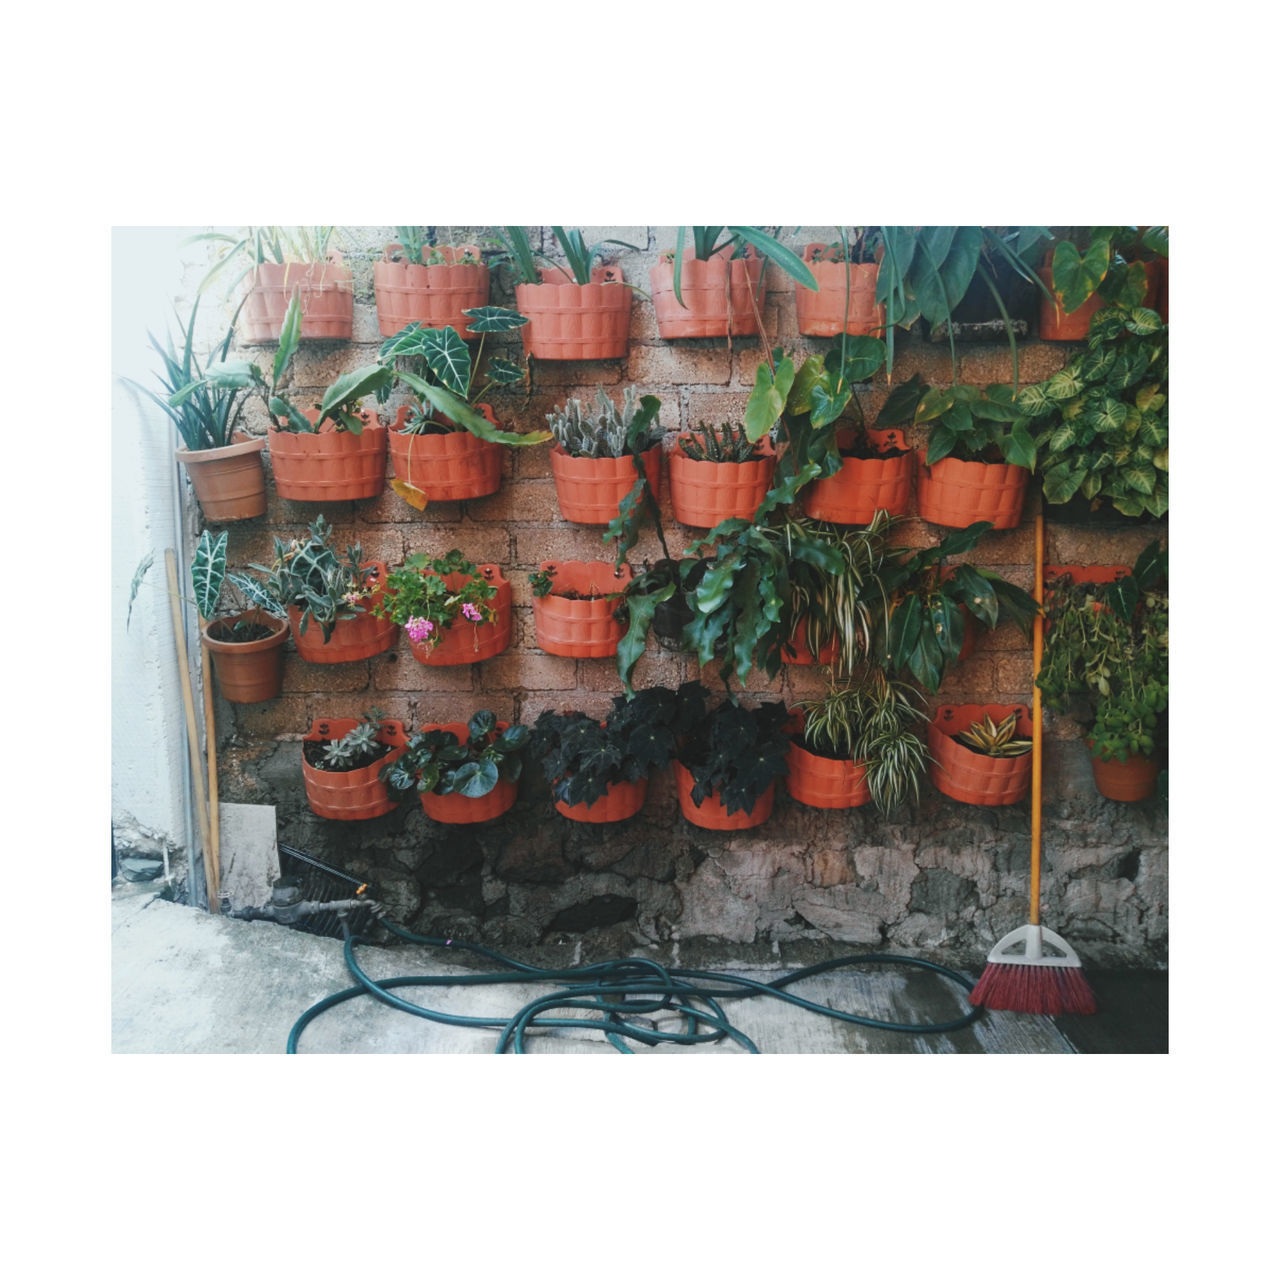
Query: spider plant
<point>255,245</point>
<point>707,243</point>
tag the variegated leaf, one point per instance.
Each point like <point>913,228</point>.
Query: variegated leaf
<point>1140,478</point>
<point>1063,385</point>
<point>1111,414</point>
<point>504,372</point>
<point>1161,460</point>
<point>448,358</point>
<point>1033,401</point>
<point>494,320</point>
<point>208,569</point>
<point>1142,320</point>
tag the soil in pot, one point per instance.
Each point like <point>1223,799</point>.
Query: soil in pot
<point>247,651</point>
<point>577,619</point>
<point>352,794</point>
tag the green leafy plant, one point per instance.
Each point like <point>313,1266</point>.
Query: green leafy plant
<point>523,259</point>
<point>707,242</point>
<point>418,597</point>
<point>858,248</point>
<point>1105,261</point>
<point>437,761</point>
<point>605,431</point>
<point>542,580</point>
<point>727,442</point>
<point>252,246</point>
<point>356,749</point>
<point>996,740</point>
<point>420,245</point>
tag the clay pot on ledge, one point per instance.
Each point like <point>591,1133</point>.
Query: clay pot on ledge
<point>590,490</point>
<point>230,483</point>
<point>463,642</point>
<point>435,297</point>
<point>352,639</point>
<point>1127,782</point>
<point>357,793</point>
<point>704,493</point>
<point>969,776</point>
<point>711,814</point>
<point>863,486</point>
<point>580,628</point>
<point>247,670</point>
<point>1073,326</point>
<point>822,314</point>
<point>820,781</point>
<point>622,800</point>
<point>717,295</point>
<point>460,810</point>
<point>325,294</point>
<point>447,466</point>
<point>330,465</point>
<point>954,494</point>
<point>569,321</point>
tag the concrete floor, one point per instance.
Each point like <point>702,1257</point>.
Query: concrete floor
<point>187,982</point>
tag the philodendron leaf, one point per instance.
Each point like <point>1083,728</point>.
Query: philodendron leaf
<point>494,320</point>
<point>458,411</point>
<point>352,386</point>
<point>902,403</point>
<point>827,407</point>
<point>1075,276</point>
<point>208,569</point>
<point>1127,285</point>
<point>1157,239</point>
<point>503,372</point>
<point>448,358</point>
<point>768,398</point>
<point>862,356</point>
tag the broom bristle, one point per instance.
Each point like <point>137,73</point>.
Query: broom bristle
<point>1033,988</point>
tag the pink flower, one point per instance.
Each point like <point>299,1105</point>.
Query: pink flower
<point>419,629</point>
<point>472,613</point>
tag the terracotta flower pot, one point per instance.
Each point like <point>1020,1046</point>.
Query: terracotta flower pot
<point>580,628</point>
<point>622,800</point>
<point>955,494</point>
<point>569,321</point>
<point>461,810</point>
<point>352,639</point>
<point>1073,326</point>
<point>436,297</point>
<point>1100,574</point>
<point>967,776</point>
<point>863,486</point>
<point>590,490</point>
<point>324,292</point>
<point>330,466</point>
<point>820,782</point>
<point>1133,780</point>
<point>711,815</point>
<point>822,314</point>
<point>448,467</point>
<point>357,793</point>
<point>251,670</point>
<point>463,642</point>
<point>796,652</point>
<point>704,493</point>
<point>229,482</point>
<point>716,293</point>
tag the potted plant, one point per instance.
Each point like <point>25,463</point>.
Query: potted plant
<point>342,763</point>
<point>1091,268</point>
<point>575,606</point>
<point>454,612</point>
<point>225,465</point>
<point>330,600</point>
<point>421,282</point>
<point>857,744</point>
<point>598,456</point>
<point>578,312</point>
<point>981,754</point>
<point>446,445</point>
<point>463,773</point>
<point>845,300</point>
<point>285,263</point>
<point>718,473</point>
<point>599,770</point>
<point>712,289</point>
<point>729,761</point>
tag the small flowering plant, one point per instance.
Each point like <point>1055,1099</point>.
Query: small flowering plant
<point>422,600</point>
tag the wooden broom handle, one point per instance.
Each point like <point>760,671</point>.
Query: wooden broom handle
<point>1037,722</point>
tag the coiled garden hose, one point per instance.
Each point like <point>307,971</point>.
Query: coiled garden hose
<point>621,991</point>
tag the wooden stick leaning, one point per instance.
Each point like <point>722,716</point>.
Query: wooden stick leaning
<point>210,737</point>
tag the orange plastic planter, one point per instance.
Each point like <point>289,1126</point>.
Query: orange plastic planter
<point>821,314</point>
<point>251,671</point>
<point>463,642</point>
<point>716,293</point>
<point>1073,326</point>
<point>590,490</point>
<point>863,486</point>
<point>622,800</point>
<point>704,493</point>
<point>580,628</point>
<point>229,482</point>
<point>356,794</point>
<point>820,782</point>
<point>569,321</point>
<point>435,297</point>
<point>955,494</point>
<point>352,639</point>
<point>796,652</point>
<point>325,295</point>
<point>461,810</point>
<point>711,815</point>
<point>965,775</point>
<point>448,467</point>
<point>1133,780</point>
<point>330,466</point>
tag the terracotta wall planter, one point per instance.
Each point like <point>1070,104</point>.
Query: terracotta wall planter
<point>704,493</point>
<point>352,640</point>
<point>955,494</point>
<point>590,490</point>
<point>1073,326</point>
<point>823,783</point>
<point>330,466</point>
<point>569,321</point>
<point>1133,780</point>
<point>580,628</point>
<point>466,642</point>
<point>796,652</point>
<point>622,800</point>
<point>711,815</point>
<point>230,483</point>
<point>436,297</point>
<point>324,293</point>
<point>822,314</point>
<point>863,486</point>
<point>967,776</point>
<point>459,810</point>
<point>248,671</point>
<point>446,467</point>
<point>717,295</point>
<point>356,794</point>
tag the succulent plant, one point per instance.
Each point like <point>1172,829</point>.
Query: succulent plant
<point>605,431</point>
<point>996,740</point>
<point>726,443</point>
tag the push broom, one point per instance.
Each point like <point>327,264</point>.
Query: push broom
<point>1019,975</point>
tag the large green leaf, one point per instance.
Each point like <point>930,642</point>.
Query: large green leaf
<point>351,387</point>
<point>856,358</point>
<point>1077,276</point>
<point>977,593</point>
<point>464,415</point>
<point>946,259</point>
<point>494,319</point>
<point>208,569</point>
<point>448,358</point>
<point>1157,239</point>
<point>1061,482</point>
<point>1019,448</point>
<point>290,335</point>
<point>504,373</point>
<point>765,403</point>
<point>640,610</point>
<point>827,407</point>
<point>778,253</point>
<point>902,402</point>
<point>474,779</point>
<point>1125,285</point>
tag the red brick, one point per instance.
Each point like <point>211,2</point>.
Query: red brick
<point>324,677</point>
<point>681,365</point>
<point>480,543</point>
<point>565,541</point>
<point>532,705</point>
<point>714,407</point>
<point>804,682</point>
<point>394,706</point>
<point>526,501</point>
<point>390,508</point>
<point>448,708</point>
<point>1006,546</point>
<point>518,670</point>
<point>402,671</point>
<point>578,378</point>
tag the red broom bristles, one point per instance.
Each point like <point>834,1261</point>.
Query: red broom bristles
<point>1033,988</point>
